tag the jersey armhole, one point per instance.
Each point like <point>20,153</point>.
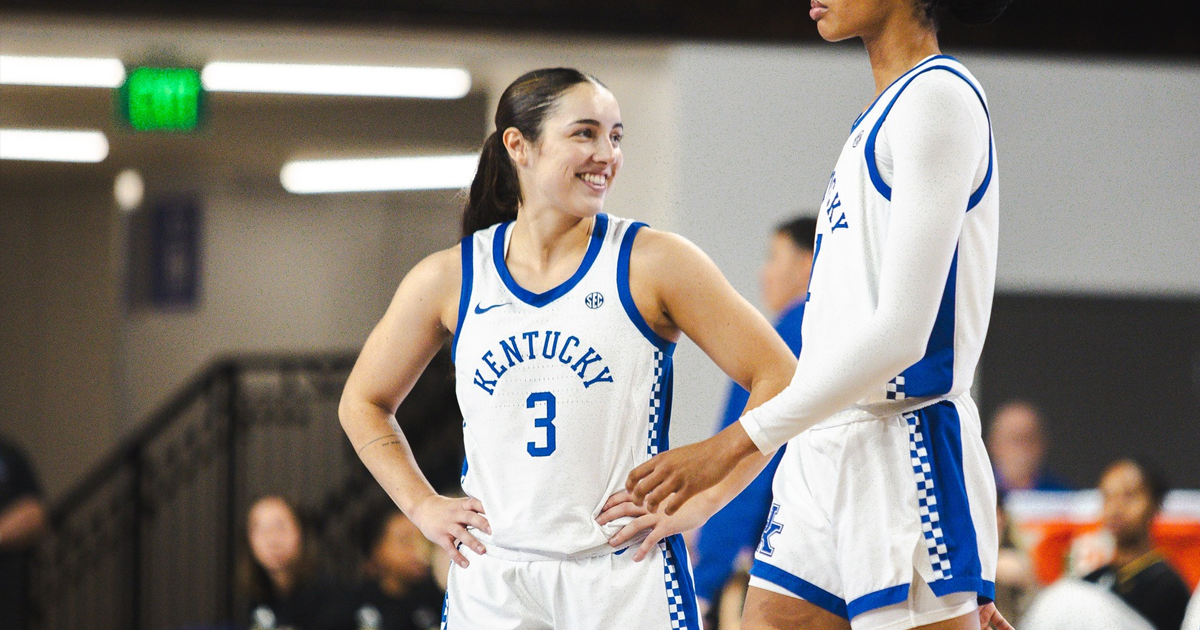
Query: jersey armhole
<point>869,150</point>
<point>464,293</point>
<point>626,296</point>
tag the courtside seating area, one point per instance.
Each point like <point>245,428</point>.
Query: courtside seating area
<point>1062,533</point>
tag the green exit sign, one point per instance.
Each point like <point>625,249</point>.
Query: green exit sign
<point>162,99</point>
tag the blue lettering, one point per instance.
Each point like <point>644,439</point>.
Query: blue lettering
<point>487,358</point>
<point>547,351</point>
<point>770,530</point>
<point>588,358</point>
<point>484,384</point>
<point>530,336</point>
<point>562,356</point>
<point>511,351</point>
<point>603,377</point>
<point>841,223</point>
<point>833,205</point>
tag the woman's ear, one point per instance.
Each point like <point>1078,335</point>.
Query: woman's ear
<point>517,146</point>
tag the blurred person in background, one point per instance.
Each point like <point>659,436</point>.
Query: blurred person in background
<point>22,522</point>
<point>730,536</point>
<point>399,592</point>
<point>1133,492</point>
<point>1017,445</point>
<point>278,577</point>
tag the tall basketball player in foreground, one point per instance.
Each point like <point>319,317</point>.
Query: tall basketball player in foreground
<point>564,320</point>
<point>884,504</point>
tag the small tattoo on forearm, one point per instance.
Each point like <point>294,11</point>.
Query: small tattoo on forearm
<point>392,441</point>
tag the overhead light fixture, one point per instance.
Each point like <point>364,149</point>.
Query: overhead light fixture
<point>379,174</point>
<point>281,78</point>
<point>61,71</point>
<point>53,145</point>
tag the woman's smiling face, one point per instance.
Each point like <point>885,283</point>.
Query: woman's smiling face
<point>572,165</point>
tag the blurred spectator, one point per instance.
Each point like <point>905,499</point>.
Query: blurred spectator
<point>1016,583</point>
<point>399,592</point>
<point>1017,446</point>
<point>1133,492</point>
<point>22,522</point>
<point>278,576</point>
<point>734,532</point>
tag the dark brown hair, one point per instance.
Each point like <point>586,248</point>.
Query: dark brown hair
<point>965,11</point>
<point>252,580</point>
<point>495,192</point>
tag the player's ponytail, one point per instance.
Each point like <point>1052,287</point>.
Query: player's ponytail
<point>965,11</point>
<point>496,192</point>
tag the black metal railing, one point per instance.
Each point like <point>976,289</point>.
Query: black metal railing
<point>150,539</point>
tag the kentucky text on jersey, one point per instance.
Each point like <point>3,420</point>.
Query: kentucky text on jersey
<point>538,345</point>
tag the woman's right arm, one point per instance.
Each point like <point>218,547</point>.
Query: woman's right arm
<point>421,316</point>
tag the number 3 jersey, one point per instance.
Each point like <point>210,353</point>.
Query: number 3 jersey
<point>562,394</point>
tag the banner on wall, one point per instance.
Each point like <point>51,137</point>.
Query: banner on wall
<point>175,253</point>
<point>165,254</point>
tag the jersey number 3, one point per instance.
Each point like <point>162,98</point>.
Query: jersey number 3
<point>545,422</point>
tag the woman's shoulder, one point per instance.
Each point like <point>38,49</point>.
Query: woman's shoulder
<point>942,87</point>
<point>439,266</point>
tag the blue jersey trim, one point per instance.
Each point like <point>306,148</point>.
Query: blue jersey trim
<point>933,375</point>
<point>943,436</point>
<point>541,299</point>
<point>802,588</point>
<point>690,614</point>
<point>869,149</point>
<point>878,599</point>
<point>894,81</point>
<point>627,298</point>
<point>464,293</point>
<point>985,591</point>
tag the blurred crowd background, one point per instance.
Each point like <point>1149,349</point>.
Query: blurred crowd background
<point>181,299</point>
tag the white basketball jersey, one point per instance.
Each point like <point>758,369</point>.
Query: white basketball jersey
<point>562,394</point>
<point>851,230</point>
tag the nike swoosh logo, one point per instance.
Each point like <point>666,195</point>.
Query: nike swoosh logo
<point>481,311</point>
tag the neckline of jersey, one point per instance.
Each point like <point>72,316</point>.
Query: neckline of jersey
<point>920,63</point>
<point>541,299</point>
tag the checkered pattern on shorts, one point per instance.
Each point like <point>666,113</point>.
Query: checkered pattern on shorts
<point>895,388</point>
<point>674,593</point>
<point>935,540</point>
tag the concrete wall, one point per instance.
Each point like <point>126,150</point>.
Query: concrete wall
<point>58,336</point>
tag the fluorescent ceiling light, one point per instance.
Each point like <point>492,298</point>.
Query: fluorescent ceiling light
<point>223,76</point>
<point>53,145</point>
<point>61,71</point>
<point>375,174</point>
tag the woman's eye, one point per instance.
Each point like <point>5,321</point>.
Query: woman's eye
<point>585,133</point>
<point>616,140</point>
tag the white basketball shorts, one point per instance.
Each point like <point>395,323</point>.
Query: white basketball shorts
<point>867,509</point>
<point>598,593</point>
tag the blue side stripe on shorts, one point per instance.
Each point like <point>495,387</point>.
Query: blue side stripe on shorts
<point>445,608</point>
<point>878,599</point>
<point>941,434</point>
<point>802,588</point>
<point>681,592</point>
